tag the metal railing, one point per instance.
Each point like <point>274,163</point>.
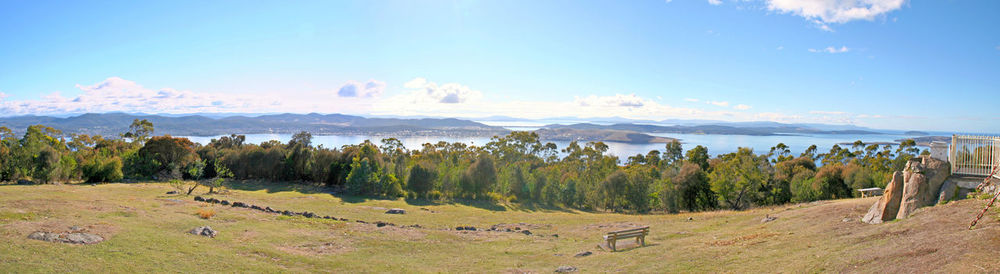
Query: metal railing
<point>974,155</point>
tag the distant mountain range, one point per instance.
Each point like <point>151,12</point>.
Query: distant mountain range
<point>614,129</point>
<point>111,124</point>
<point>758,130</point>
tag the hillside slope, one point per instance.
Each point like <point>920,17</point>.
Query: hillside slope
<point>145,232</point>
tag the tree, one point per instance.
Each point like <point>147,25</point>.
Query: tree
<point>810,152</point>
<point>139,131</point>
<point>738,177</point>
<point>782,183</point>
<point>362,178</point>
<point>673,152</point>
<point>481,175</point>
<point>699,156</point>
<point>829,183</point>
<point>781,153</point>
<point>695,193</point>
<point>166,156</point>
<point>421,179</point>
<point>613,187</point>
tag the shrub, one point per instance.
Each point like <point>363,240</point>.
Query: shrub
<point>102,170</point>
<point>435,195</point>
<point>493,197</point>
<point>205,213</point>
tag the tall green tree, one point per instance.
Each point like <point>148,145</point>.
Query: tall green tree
<point>738,177</point>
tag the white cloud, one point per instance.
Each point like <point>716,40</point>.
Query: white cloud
<point>421,97</point>
<point>115,94</point>
<point>424,91</point>
<point>831,49</point>
<point>780,48</point>
<point>824,12</point>
<point>715,2</point>
<point>372,88</point>
<point>836,11</point>
<point>618,100</point>
<point>719,103</point>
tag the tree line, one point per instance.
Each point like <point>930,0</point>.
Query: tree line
<point>514,168</point>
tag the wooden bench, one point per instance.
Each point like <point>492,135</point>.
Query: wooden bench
<point>638,233</point>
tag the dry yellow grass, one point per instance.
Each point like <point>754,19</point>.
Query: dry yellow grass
<point>146,232</point>
<point>205,213</point>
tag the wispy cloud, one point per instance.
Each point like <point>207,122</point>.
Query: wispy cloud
<point>742,107</point>
<point>618,100</point>
<point>831,49</point>
<point>715,2</point>
<point>691,100</point>
<point>825,12</point>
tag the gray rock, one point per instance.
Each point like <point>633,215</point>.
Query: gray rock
<point>526,232</point>
<point>768,218</point>
<point>396,211</point>
<point>948,191</point>
<point>206,231</point>
<point>583,254</point>
<point>172,192</point>
<point>69,238</point>
<point>565,269</point>
<point>83,238</point>
<point>44,236</point>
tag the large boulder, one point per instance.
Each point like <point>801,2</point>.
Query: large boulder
<point>923,177</point>
<point>886,208</point>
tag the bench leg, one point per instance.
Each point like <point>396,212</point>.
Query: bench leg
<point>642,241</point>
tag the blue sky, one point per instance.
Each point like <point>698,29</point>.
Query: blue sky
<point>928,65</point>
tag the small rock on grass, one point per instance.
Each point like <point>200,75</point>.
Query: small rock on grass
<point>583,254</point>
<point>565,269</point>
<point>204,231</point>
<point>768,218</point>
<point>396,211</point>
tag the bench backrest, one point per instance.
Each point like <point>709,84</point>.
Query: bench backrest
<point>643,230</point>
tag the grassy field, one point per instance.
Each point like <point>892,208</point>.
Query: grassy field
<point>146,232</point>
